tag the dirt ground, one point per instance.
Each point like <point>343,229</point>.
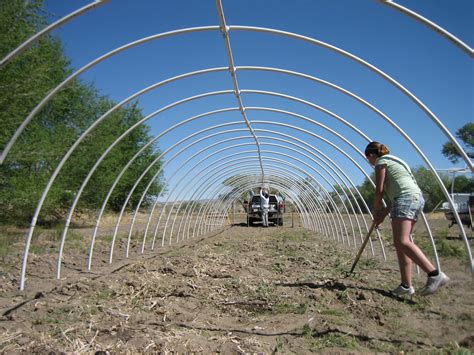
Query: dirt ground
<point>239,290</point>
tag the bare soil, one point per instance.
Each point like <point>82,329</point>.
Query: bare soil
<point>239,290</point>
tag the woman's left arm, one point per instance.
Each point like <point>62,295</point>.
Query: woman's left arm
<point>379,211</point>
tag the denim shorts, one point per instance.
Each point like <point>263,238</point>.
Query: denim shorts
<point>407,206</point>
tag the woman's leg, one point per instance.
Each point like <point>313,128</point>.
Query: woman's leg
<point>402,229</point>
<point>404,263</point>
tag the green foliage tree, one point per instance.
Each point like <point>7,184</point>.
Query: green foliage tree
<point>23,84</point>
<point>466,135</point>
<point>428,184</point>
<point>462,184</point>
<point>430,187</point>
<point>367,191</point>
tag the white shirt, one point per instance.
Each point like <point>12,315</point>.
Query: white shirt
<point>265,201</point>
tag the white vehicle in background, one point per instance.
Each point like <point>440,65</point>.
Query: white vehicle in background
<point>464,205</point>
<point>463,202</point>
<point>275,211</point>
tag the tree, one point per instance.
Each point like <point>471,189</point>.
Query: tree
<point>23,84</point>
<point>462,184</point>
<point>367,191</point>
<point>429,185</point>
<point>466,135</point>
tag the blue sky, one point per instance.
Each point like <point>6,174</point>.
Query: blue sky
<point>428,65</point>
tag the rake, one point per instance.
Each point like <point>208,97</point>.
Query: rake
<point>362,247</point>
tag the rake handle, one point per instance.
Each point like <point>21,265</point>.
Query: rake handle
<point>362,247</point>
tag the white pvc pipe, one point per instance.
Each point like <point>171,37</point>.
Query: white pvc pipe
<point>244,168</point>
<point>376,70</point>
<point>26,44</point>
<point>265,158</point>
<point>241,167</point>
<point>53,92</point>
<point>431,25</point>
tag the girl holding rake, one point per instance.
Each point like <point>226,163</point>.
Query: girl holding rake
<point>394,180</point>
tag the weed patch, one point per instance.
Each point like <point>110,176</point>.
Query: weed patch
<point>331,340</point>
<point>295,308</point>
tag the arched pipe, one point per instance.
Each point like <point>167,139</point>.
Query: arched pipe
<point>189,215</point>
<point>299,116</point>
<point>284,184</point>
<point>341,170</point>
<point>209,180</point>
<point>325,196</point>
<point>129,163</point>
<point>218,68</point>
<point>222,204</point>
<point>167,34</point>
<point>275,169</point>
<point>328,173</point>
<point>278,170</point>
<point>66,157</point>
<point>431,25</point>
<point>215,163</point>
<point>242,187</point>
<point>160,156</point>
<point>379,72</point>
<point>204,159</point>
<point>233,75</point>
<point>199,72</point>
<point>308,203</point>
<point>68,220</point>
<point>194,198</point>
<point>26,44</point>
<point>345,122</point>
<point>180,124</point>
<point>53,92</point>
<point>247,167</point>
<point>198,95</point>
<point>314,122</point>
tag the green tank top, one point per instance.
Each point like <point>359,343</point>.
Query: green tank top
<point>399,179</point>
